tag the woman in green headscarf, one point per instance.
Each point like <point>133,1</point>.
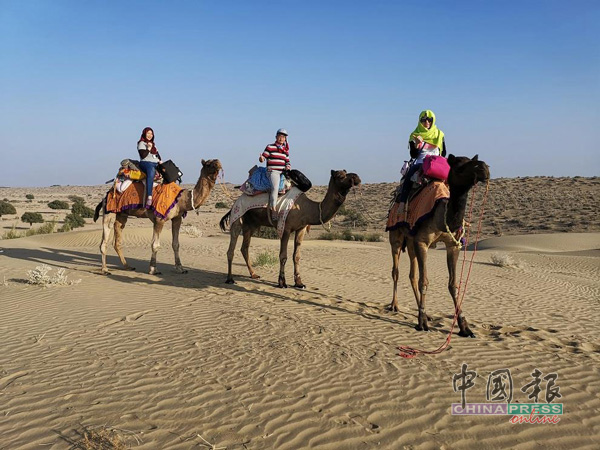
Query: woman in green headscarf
<point>427,139</point>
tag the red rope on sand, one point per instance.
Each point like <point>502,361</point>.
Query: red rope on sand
<point>411,352</point>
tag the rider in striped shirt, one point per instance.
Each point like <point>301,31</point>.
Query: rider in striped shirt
<point>278,159</point>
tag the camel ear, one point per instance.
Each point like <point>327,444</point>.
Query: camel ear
<point>475,158</point>
<point>203,162</point>
<point>332,172</point>
<point>451,159</point>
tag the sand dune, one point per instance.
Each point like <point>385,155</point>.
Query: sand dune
<point>181,361</point>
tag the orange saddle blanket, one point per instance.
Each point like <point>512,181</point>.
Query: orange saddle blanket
<point>164,198</point>
<point>419,208</point>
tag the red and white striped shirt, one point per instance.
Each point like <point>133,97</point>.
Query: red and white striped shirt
<point>277,156</point>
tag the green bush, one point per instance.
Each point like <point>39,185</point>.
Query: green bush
<point>266,233</point>
<point>46,228</point>
<point>29,197</point>
<point>349,235</point>
<point>354,217</point>
<point>266,259</point>
<point>58,204</point>
<point>82,210</point>
<point>74,221</point>
<point>6,208</point>
<point>76,199</point>
<point>31,218</point>
<point>221,205</point>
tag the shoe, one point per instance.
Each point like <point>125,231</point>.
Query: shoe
<point>148,202</point>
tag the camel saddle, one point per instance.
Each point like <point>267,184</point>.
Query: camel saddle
<point>284,205</point>
<point>164,198</point>
<point>420,206</point>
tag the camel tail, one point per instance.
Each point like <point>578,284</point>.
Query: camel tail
<point>97,212</point>
<point>225,221</point>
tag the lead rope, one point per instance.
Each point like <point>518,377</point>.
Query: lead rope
<point>410,352</point>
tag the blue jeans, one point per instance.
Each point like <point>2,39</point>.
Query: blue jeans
<point>406,185</point>
<point>149,168</point>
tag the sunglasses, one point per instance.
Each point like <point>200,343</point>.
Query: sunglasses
<point>426,119</point>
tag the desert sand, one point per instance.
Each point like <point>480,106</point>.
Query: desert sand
<point>180,361</point>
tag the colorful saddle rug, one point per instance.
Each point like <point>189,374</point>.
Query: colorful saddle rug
<point>419,208</point>
<point>164,198</point>
<point>283,207</point>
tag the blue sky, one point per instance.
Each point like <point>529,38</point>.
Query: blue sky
<point>516,82</point>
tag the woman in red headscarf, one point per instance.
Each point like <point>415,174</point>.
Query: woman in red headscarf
<point>149,159</point>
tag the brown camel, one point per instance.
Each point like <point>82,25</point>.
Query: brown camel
<point>188,200</point>
<point>448,214</point>
<point>305,212</point>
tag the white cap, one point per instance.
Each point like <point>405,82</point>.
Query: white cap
<point>282,131</point>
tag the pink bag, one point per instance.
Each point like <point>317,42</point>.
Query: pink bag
<point>436,167</point>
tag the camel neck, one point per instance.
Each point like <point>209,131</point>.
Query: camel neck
<point>457,204</point>
<point>200,192</point>
<point>330,204</point>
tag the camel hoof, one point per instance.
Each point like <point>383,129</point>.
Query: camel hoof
<point>129,268</point>
<point>418,328</point>
<point>300,286</point>
<point>282,286</point>
<point>392,308</point>
<point>255,277</point>
<point>155,273</point>
<point>229,281</point>
<point>468,334</point>
<point>105,272</point>
<point>180,270</point>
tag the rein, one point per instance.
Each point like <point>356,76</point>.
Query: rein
<point>410,352</point>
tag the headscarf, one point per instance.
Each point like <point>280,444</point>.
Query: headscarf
<point>433,136</point>
<point>154,150</point>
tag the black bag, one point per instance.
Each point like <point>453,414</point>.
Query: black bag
<point>169,171</point>
<point>299,179</point>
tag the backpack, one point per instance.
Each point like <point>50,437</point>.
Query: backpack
<point>169,171</point>
<point>299,179</point>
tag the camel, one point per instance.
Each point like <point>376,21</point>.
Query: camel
<point>188,200</point>
<point>448,215</point>
<point>304,213</point>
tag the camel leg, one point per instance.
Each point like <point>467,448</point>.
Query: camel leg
<point>247,233</point>
<point>412,275</point>
<point>158,226</point>
<point>420,250</point>
<point>234,232</point>
<point>120,222</point>
<point>283,258</point>
<point>452,253</point>
<point>108,221</point>
<point>176,225</point>
<point>396,244</point>
<point>298,237</point>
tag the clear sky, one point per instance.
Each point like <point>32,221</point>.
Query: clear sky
<point>515,81</point>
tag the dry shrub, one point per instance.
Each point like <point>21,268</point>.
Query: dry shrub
<point>101,438</point>
<point>191,230</point>
<point>39,277</point>
<point>504,260</point>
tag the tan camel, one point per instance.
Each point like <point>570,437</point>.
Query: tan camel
<point>188,200</point>
<point>305,212</point>
<point>448,214</point>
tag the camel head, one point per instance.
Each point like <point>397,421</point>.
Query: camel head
<point>467,171</point>
<point>343,181</point>
<point>211,169</point>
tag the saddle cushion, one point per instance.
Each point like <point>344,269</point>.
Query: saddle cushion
<point>419,208</point>
<point>164,198</point>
